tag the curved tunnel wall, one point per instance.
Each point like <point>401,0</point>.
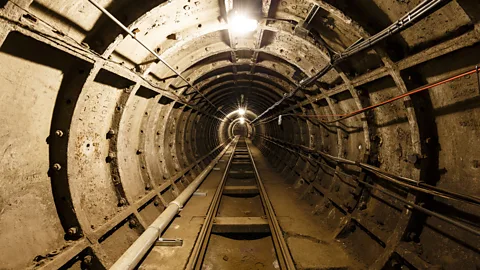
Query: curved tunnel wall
<point>98,136</point>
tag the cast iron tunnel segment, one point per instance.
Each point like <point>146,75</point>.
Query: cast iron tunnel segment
<point>241,215</point>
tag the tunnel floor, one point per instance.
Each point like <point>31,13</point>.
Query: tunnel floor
<point>310,240</point>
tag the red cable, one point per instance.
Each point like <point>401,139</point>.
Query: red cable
<point>423,88</point>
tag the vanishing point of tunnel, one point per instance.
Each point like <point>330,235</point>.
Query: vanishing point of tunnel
<point>240,134</point>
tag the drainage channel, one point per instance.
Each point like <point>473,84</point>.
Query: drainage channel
<point>240,229</point>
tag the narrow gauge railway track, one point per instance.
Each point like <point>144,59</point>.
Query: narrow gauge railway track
<point>240,230</point>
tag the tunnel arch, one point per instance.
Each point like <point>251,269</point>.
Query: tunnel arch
<point>125,136</point>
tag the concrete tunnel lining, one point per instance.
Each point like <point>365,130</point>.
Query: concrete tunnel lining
<point>98,136</point>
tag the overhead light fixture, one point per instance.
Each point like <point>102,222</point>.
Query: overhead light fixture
<point>241,24</point>
<point>242,120</point>
<point>241,112</point>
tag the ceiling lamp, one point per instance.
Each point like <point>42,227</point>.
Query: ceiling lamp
<point>241,112</point>
<point>241,24</point>
<point>242,120</point>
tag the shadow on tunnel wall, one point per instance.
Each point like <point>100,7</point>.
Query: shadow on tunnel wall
<point>75,73</point>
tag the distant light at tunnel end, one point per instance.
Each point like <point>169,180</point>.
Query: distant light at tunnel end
<point>241,24</point>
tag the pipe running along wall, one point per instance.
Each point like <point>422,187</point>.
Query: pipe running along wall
<point>99,136</point>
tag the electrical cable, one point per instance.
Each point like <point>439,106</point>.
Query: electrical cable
<point>341,117</point>
<point>395,179</point>
<point>404,22</point>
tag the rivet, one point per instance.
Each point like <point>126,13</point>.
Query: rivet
<point>59,133</point>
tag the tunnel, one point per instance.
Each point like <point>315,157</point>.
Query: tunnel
<point>350,127</point>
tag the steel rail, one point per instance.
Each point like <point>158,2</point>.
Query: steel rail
<point>197,256</point>
<point>283,254</point>
<point>401,24</point>
<point>134,254</point>
<point>131,34</point>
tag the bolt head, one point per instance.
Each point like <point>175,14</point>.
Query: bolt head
<point>362,206</point>
<point>413,158</point>
<point>59,133</point>
<point>87,260</point>
<point>73,231</point>
<point>412,236</point>
<point>122,201</point>
<point>132,223</point>
<point>57,167</point>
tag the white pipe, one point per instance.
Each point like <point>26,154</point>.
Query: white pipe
<point>135,253</point>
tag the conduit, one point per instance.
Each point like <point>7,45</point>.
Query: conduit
<point>354,113</point>
<point>406,21</point>
<point>408,204</point>
<point>395,179</point>
<point>135,253</point>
